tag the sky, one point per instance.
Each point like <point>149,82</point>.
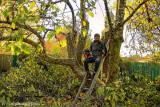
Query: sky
<point>98,21</point>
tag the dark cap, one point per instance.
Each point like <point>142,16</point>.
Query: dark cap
<point>96,35</point>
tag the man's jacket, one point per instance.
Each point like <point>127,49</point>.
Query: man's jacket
<point>98,49</point>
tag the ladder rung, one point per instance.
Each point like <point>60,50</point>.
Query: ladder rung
<point>89,79</point>
<point>85,88</point>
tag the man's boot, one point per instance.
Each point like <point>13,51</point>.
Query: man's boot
<point>93,75</point>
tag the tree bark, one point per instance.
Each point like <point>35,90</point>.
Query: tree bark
<point>82,38</point>
<point>111,62</point>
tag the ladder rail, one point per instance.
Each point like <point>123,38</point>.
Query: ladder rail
<point>93,83</point>
<point>79,91</point>
<point>90,88</point>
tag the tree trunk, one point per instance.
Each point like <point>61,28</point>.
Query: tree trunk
<point>111,62</point>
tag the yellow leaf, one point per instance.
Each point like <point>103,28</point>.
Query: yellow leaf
<point>84,23</point>
<point>13,25</point>
<point>109,98</point>
<point>82,95</point>
<point>156,54</point>
<point>32,4</point>
<point>91,14</point>
<point>37,18</point>
<point>59,28</point>
<point>84,32</point>
<point>17,32</point>
<point>64,44</point>
<point>26,1</point>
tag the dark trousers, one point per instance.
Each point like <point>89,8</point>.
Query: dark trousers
<point>91,60</point>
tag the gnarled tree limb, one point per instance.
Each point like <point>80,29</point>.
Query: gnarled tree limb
<point>108,15</point>
<point>9,38</point>
<point>28,28</point>
<point>130,16</point>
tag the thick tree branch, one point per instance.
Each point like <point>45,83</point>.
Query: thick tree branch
<point>149,18</point>
<point>108,15</point>
<point>130,16</point>
<point>134,11</point>
<point>60,61</point>
<point>28,28</point>
<point>9,38</point>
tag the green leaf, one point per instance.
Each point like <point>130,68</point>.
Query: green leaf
<point>9,9</point>
<point>80,15</point>
<point>22,20</point>
<point>2,99</point>
<point>41,28</point>
<point>87,10</point>
<point>64,21</point>
<point>14,20</point>
<point>25,48</point>
<point>20,1</point>
<point>91,14</point>
<point>57,10</point>
<point>26,1</point>
<point>19,34</point>
<point>25,9</point>
<point>32,5</point>
<point>44,11</point>
<point>115,97</point>
<point>52,6</point>
<point>7,44</point>
<point>39,49</point>
<point>93,3</point>
<point>8,49</point>
<point>31,89</point>
<point>51,35</point>
<point>15,49</point>
<point>55,13</point>
<point>20,39</point>
<point>32,19</point>
<point>56,49</point>
<point>5,13</point>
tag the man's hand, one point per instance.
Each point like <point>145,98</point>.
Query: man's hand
<point>100,57</point>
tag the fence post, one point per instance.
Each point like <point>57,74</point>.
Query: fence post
<point>15,61</point>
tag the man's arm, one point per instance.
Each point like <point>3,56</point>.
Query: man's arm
<point>91,47</point>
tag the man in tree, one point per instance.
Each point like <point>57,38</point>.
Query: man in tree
<point>99,51</point>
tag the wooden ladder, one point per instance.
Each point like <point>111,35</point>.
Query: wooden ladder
<point>89,89</point>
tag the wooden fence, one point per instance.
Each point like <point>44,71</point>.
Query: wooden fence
<point>146,68</point>
<point>6,61</point>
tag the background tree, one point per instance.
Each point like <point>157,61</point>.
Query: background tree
<point>115,32</point>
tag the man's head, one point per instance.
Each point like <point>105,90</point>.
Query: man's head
<point>96,37</point>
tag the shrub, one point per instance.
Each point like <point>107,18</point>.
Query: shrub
<point>30,82</point>
<point>128,92</point>
<point>127,64</point>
